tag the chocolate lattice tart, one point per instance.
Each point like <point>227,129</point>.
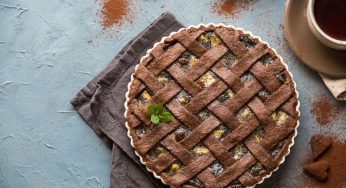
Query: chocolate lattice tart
<point>233,102</point>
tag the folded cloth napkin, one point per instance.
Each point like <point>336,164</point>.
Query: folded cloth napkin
<point>336,86</point>
<point>101,104</point>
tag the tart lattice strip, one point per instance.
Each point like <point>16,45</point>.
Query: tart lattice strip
<point>279,97</point>
<point>166,94</point>
<point>231,75</point>
<point>198,133</point>
<point>204,129</point>
<point>229,174</point>
<point>186,80</point>
<point>283,152</point>
<point>139,112</point>
<point>264,117</point>
<point>162,96</point>
<point>219,151</point>
<point>132,121</point>
<point>225,111</point>
<point>208,179</point>
<point>246,62</point>
<point>261,112</point>
<point>191,170</point>
<point>207,60</point>
<point>231,38</point>
<point>162,162</point>
<point>186,113</point>
<point>222,151</point>
<point>221,148</point>
<point>160,63</point>
<point>267,144</point>
<point>202,99</point>
<point>262,156</point>
<point>195,137</point>
<point>260,153</point>
<point>281,131</point>
<point>269,79</point>
<point>151,138</point>
<point>136,87</point>
<point>189,85</point>
<point>179,111</point>
<point>179,151</point>
<point>247,179</point>
<point>189,41</point>
<point>240,99</point>
<point>185,39</point>
<point>148,78</point>
<point>290,106</point>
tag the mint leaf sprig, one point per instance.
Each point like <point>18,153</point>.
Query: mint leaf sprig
<point>158,114</point>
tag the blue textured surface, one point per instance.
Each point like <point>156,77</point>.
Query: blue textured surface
<point>45,59</point>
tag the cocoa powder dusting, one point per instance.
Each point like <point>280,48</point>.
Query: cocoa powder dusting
<point>113,12</point>
<point>336,157</point>
<point>323,110</point>
<point>228,8</point>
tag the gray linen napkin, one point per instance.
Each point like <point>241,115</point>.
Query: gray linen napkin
<point>101,104</point>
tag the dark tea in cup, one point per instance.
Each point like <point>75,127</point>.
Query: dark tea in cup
<point>330,16</point>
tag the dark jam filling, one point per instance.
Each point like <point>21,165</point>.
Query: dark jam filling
<point>156,151</point>
<point>164,78</point>
<point>180,133</point>
<point>141,130</point>
<point>281,77</point>
<point>209,40</point>
<point>183,97</point>
<point>247,77</point>
<point>264,94</point>
<point>275,151</point>
<point>204,114</point>
<point>266,59</point>
<point>174,168</point>
<point>216,168</point>
<point>247,41</point>
<point>229,60</point>
<point>239,151</point>
<point>235,184</point>
<point>195,182</point>
<point>257,169</point>
<point>220,132</point>
<point>186,60</point>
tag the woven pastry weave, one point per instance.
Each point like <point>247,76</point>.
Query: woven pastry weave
<point>233,104</point>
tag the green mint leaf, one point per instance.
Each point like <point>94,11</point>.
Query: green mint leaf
<point>165,116</point>
<point>155,119</point>
<point>155,109</point>
<point>151,109</point>
<point>158,108</point>
<point>157,113</point>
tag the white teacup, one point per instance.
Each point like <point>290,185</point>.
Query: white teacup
<point>319,33</point>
